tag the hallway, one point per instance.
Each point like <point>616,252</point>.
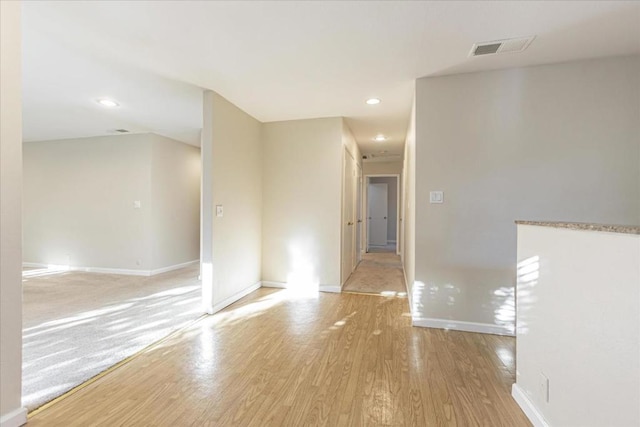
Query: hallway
<point>378,273</point>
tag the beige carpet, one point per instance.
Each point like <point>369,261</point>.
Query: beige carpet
<point>76,324</point>
<point>378,273</point>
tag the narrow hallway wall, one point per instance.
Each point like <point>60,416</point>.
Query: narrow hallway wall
<point>302,181</point>
<point>232,152</point>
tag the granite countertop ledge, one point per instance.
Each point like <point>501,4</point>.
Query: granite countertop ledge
<point>610,228</point>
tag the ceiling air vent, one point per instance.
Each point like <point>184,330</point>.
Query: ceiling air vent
<point>122,130</point>
<point>501,46</point>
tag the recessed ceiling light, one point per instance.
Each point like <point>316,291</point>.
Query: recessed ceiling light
<point>380,138</point>
<point>107,102</point>
<point>373,101</point>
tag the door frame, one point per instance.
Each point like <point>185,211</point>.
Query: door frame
<point>344,274</point>
<point>365,208</point>
<point>359,213</point>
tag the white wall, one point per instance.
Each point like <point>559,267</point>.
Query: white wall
<point>79,199</point>
<point>382,168</point>
<point>553,142</point>
<point>408,215</point>
<point>79,202</point>
<point>578,324</point>
<point>302,181</point>
<point>236,177</point>
<point>349,141</point>
<point>175,195</point>
<point>11,412</point>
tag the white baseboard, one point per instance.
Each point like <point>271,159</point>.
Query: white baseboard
<point>268,284</point>
<point>458,325</point>
<point>330,288</point>
<point>528,407</point>
<point>409,290</point>
<point>34,265</point>
<point>14,418</point>
<point>233,298</point>
<point>124,271</point>
<point>174,267</point>
<point>321,288</point>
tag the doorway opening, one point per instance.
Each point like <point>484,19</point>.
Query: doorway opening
<point>383,208</point>
<point>380,270</point>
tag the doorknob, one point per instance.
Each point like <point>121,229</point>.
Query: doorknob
<point>385,217</point>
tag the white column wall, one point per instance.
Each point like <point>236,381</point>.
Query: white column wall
<point>11,412</point>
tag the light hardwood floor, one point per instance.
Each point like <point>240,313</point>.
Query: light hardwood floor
<point>274,359</point>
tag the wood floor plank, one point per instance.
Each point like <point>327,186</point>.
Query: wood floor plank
<point>273,359</point>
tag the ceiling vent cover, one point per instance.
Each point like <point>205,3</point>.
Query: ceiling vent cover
<point>122,130</point>
<point>501,46</point>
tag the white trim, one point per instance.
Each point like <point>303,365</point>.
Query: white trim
<point>15,418</point>
<point>529,409</point>
<point>174,267</point>
<point>233,298</point>
<point>330,288</point>
<point>409,291</point>
<point>459,325</point>
<point>33,265</point>
<point>88,269</point>
<point>112,271</point>
<point>103,270</point>
<point>268,284</point>
<point>321,288</point>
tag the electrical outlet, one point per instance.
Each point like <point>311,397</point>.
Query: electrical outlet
<point>544,388</point>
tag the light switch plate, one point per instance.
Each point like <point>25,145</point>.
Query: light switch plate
<point>137,204</point>
<point>219,210</point>
<point>436,197</point>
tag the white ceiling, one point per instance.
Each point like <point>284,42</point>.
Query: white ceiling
<point>282,60</point>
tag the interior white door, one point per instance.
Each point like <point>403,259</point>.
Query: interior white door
<point>348,220</point>
<point>377,197</point>
<point>358,249</point>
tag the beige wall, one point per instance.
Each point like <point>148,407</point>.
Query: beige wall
<point>79,199</point>
<point>578,325</point>
<point>382,168</point>
<point>11,412</point>
<point>554,142</point>
<point>175,195</point>
<point>79,202</point>
<point>302,180</point>
<point>236,184</point>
